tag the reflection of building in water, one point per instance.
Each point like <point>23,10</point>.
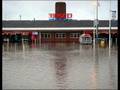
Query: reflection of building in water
<point>86,47</point>
<point>95,70</point>
<point>60,68</point>
<point>33,45</point>
<point>59,46</point>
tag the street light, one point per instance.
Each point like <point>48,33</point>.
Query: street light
<point>95,32</point>
<point>96,22</point>
<point>110,29</point>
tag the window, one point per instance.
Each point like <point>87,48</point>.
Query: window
<point>60,35</point>
<point>74,35</point>
<point>46,35</point>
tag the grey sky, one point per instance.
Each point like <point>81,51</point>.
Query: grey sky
<point>40,9</point>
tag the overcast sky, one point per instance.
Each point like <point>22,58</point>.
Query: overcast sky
<point>81,9</point>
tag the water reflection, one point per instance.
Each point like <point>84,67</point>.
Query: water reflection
<point>86,47</point>
<point>66,66</point>
<point>61,74</point>
<point>95,70</point>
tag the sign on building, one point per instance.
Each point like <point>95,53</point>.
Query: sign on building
<point>35,33</point>
<point>113,15</point>
<point>96,22</point>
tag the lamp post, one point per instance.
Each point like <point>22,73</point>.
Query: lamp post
<point>96,31</point>
<point>110,29</point>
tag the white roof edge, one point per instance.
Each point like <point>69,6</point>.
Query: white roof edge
<point>60,28</point>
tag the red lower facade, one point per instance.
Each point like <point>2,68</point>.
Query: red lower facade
<point>53,36</point>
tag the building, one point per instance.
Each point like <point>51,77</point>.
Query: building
<point>57,31</point>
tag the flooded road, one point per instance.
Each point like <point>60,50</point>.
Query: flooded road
<point>59,66</point>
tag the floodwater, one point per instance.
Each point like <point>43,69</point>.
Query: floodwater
<point>59,66</point>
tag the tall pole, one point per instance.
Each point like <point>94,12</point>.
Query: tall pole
<point>20,16</point>
<point>110,28</point>
<point>97,22</point>
<point>96,48</point>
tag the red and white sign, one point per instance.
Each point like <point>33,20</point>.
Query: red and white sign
<point>60,15</point>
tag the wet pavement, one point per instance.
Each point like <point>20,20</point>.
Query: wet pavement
<point>59,66</point>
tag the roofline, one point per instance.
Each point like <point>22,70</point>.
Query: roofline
<point>52,21</point>
<point>60,28</point>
